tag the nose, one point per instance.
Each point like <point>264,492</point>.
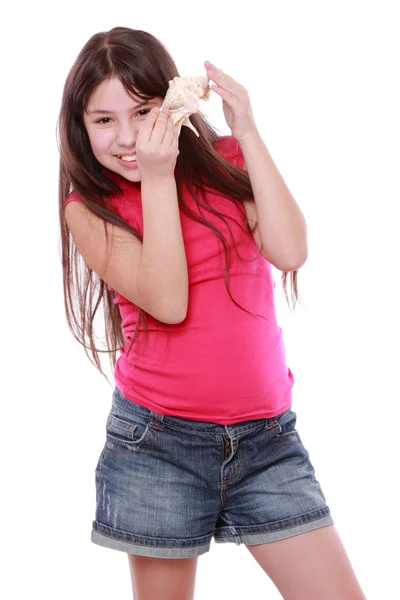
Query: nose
<point>127,134</point>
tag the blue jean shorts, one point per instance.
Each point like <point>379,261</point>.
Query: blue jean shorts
<point>166,486</point>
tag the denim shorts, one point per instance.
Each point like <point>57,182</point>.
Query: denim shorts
<point>166,486</point>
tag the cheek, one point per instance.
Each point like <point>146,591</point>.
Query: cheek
<point>100,141</point>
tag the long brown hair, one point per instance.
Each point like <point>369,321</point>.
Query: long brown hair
<point>144,67</point>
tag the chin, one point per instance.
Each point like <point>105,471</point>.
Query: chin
<point>133,176</point>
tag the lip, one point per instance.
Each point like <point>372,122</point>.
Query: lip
<point>127,164</point>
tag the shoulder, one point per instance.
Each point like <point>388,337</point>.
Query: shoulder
<point>73,197</point>
<point>126,190</point>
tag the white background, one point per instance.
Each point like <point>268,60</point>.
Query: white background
<point>323,80</point>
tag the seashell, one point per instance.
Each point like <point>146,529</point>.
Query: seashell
<point>183,97</point>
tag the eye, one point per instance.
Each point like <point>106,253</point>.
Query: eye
<point>104,120</point>
<point>143,112</point>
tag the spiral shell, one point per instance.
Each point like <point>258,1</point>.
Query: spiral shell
<point>183,97</point>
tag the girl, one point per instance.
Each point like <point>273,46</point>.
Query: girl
<point>174,236</point>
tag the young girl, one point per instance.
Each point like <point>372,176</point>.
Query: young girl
<point>174,236</point>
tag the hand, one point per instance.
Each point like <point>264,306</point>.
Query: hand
<point>157,145</point>
<point>236,103</point>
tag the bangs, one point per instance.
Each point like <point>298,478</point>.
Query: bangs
<point>136,82</point>
<point>135,88</point>
<point>141,76</point>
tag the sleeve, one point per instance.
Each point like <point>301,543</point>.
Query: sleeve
<point>73,197</point>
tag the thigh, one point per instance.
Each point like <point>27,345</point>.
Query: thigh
<point>162,578</point>
<point>154,492</point>
<point>310,566</point>
<point>270,490</point>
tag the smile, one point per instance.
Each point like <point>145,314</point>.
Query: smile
<point>127,158</point>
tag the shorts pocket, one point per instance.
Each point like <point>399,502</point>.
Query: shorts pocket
<point>287,433</point>
<point>121,429</point>
<point>128,433</point>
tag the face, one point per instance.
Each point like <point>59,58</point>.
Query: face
<point>113,120</point>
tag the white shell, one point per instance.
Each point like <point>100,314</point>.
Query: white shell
<point>183,97</point>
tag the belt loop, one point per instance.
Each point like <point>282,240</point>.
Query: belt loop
<point>271,423</point>
<point>157,420</point>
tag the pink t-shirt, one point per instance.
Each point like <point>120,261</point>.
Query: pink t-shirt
<point>220,364</point>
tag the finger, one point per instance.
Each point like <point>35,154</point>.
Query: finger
<point>160,126</point>
<point>221,79</point>
<point>148,125</point>
<point>175,138</point>
<point>169,133</point>
<point>225,95</point>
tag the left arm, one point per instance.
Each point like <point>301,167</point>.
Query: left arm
<point>281,224</point>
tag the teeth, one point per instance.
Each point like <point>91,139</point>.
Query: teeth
<point>128,158</point>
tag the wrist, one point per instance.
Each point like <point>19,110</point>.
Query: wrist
<point>158,179</point>
<point>250,137</point>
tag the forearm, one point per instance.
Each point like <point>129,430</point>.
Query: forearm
<point>163,273</point>
<point>282,226</point>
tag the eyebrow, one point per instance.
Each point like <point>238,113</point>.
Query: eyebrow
<point>109,112</point>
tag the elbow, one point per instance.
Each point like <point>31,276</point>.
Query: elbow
<point>295,265</point>
<point>285,261</point>
<point>166,308</point>
<point>175,307</point>
<point>292,265</point>
<point>297,260</point>
<point>172,315</point>
<point>168,314</point>
<point>174,318</point>
<point>180,314</point>
<point>169,318</point>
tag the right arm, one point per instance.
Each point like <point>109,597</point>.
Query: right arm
<point>152,275</point>
<point>163,274</point>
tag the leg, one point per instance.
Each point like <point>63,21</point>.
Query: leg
<point>162,578</point>
<point>310,566</point>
